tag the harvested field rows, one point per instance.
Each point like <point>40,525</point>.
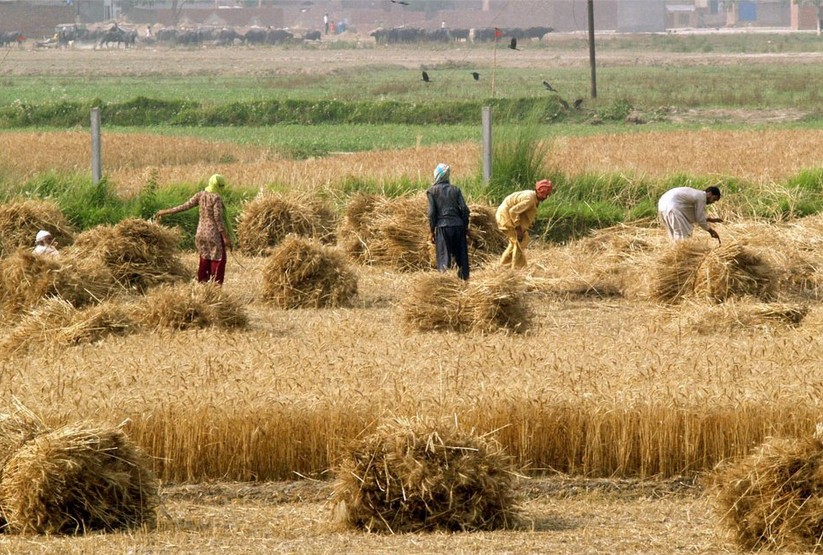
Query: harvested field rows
<point>604,382</point>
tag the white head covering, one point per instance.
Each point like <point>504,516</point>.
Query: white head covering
<point>41,235</point>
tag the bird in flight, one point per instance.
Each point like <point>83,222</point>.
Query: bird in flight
<point>513,43</point>
<point>476,76</point>
<point>549,86</point>
<point>426,77</point>
<point>401,2</point>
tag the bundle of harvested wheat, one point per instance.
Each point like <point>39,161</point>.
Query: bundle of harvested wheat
<point>741,314</point>
<point>395,232</point>
<point>773,498</point>
<point>75,479</point>
<point>268,219</point>
<point>486,241</point>
<point>433,303</point>
<point>56,323</point>
<point>618,242</point>
<point>356,230</point>
<point>676,270</point>
<point>732,270</point>
<point>415,475</point>
<point>138,253</point>
<point>491,301</point>
<point>302,273</point>
<point>16,428</point>
<point>188,306</point>
<point>400,234</point>
<point>495,300</point>
<point>20,222</point>
<point>26,279</point>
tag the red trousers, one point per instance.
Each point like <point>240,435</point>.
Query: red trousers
<point>212,269</point>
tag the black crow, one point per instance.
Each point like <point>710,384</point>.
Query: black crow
<point>577,103</point>
<point>549,86</point>
<point>426,77</point>
<point>513,43</point>
<point>476,76</point>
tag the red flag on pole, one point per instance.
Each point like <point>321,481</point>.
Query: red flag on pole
<point>497,33</point>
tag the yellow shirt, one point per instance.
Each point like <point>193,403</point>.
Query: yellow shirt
<point>518,209</point>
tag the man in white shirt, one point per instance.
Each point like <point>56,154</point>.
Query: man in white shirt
<point>681,207</point>
<point>44,244</point>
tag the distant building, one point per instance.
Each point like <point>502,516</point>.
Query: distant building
<point>642,16</point>
<point>804,18</point>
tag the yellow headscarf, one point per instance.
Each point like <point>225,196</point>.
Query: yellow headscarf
<point>217,184</point>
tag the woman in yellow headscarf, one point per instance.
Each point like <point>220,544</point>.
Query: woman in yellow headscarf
<point>212,237</point>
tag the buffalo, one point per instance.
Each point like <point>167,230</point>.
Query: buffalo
<point>118,35</point>
<point>11,37</point>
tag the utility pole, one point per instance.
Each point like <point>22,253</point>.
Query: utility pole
<point>591,48</point>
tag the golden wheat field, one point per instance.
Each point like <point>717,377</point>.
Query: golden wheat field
<point>614,404</point>
<point>605,383</point>
<point>760,157</point>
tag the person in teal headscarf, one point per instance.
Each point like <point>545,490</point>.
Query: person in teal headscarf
<point>448,223</point>
<point>213,230</point>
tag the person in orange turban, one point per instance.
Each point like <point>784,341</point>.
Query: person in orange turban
<point>514,218</point>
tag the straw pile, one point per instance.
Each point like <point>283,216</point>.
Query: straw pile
<point>302,273</point>
<point>395,232</point>
<point>20,222</point>
<point>616,243</point>
<point>139,254</point>
<point>731,270</point>
<point>490,301</point>
<point>418,475</point>
<point>400,234</point>
<point>389,232</point>
<point>189,306</point>
<point>76,479</point>
<point>773,498</point>
<point>486,241</point>
<point>355,231</point>
<point>26,279</point>
<point>16,428</point>
<point>744,314</point>
<point>268,219</point>
<point>676,269</point>
<point>56,322</point>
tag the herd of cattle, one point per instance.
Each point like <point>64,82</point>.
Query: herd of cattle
<point>116,35</point>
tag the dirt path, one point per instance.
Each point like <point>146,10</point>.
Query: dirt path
<point>267,61</point>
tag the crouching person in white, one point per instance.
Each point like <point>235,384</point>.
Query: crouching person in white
<point>682,207</point>
<point>44,244</point>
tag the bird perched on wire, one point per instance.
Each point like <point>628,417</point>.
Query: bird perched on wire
<point>549,86</point>
<point>476,76</point>
<point>426,77</point>
<point>513,44</point>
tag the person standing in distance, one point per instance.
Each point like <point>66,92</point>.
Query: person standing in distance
<point>448,223</point>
